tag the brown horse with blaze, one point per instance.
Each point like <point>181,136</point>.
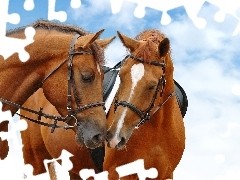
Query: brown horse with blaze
<point>145,121</point>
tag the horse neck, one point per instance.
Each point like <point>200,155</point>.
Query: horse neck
<point>20,80</point>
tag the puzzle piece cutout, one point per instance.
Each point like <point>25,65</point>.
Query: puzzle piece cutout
<point>20,125</point>
<point>87,173</point>
<point>4,115</point>
<point>231,173</point>
<point>6,45</point>
<point>192,9</point>
<point>60,172</point>
<point>52,14</point>
<point>60,15</point>
<point>137,167</point>
<point>28,5</point>
<point>13,18</point>
<point>9,46</point>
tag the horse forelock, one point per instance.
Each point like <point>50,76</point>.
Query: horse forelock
<point>152,37</point>
<point>63,28</point>
<point>153,34</point>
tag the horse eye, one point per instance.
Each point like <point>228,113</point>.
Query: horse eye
<point>151,87</point>
<point>86,77</point>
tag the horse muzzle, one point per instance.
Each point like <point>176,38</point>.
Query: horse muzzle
<point>116,141</point>
<point>90,134</point>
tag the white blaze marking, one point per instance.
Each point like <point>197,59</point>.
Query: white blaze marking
<point>137,72</point>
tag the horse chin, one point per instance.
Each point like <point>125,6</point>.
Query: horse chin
<point>81,143</point>
<point>90,136</point>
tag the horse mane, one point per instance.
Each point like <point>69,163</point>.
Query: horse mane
<point>64,28</point>
<point>151,37</point>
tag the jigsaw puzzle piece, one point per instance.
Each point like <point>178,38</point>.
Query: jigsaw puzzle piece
<point>13,18</point>
<point>15,127</point>
<point>61,171</point>
<point>192,8</point>
<point>160,5</point>
<point>116,5</point>
<point>230,7</point>
<point>28,174</point>
<point>28,5</point>
<point>7,48</point>
<point>137,167</point>
<point>52,14</point>
<point>75,4</point>
<point>87,173</point>
<point>54,169</point>
<point>4,115</point>
<point>225,7</point>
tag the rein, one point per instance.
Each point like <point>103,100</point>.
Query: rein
<point>145,115</point>
<point>71,83</point>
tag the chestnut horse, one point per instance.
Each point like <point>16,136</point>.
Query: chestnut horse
<point>41,144</point>
<point>145,121</point>
<point>65,62</point>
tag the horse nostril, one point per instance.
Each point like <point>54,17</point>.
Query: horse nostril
<point>121,143</point>
<point>98,138</point>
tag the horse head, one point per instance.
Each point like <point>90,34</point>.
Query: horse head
<point>142,82</point>
<point>83,85</point>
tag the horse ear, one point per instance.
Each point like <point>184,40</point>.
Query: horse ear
<point>164,47</point>
<point>128,42</point>
<point>103,43</point>
<point>87,40</point>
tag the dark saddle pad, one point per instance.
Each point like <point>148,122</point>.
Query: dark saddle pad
<point>181,98</point>
<point>110,76</point>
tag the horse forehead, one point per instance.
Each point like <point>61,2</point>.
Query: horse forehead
<point>137,72</point>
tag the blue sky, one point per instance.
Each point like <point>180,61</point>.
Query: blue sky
<point>206,64</point>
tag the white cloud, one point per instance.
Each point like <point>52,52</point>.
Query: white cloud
<point>236,89</point>
<point>115,53</point>
<point>206,66</point>
<point>232,174</point>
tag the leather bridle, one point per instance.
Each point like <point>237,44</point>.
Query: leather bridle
<point>145,115</point>
<point>71,84</point>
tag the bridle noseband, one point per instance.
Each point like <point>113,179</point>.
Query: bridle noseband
<point>71,84</point>
<point>145,115</point>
